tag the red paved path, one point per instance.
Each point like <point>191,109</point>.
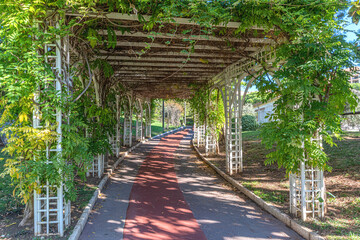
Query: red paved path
<point>157,208</point>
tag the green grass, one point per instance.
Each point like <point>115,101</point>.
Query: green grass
<point>344,221</point>
<point>84,194</point>
<point>251,135</point>
<point>8,203</point>
<point>156,128</point>
<point>346,154</point>
<point>273,196</point>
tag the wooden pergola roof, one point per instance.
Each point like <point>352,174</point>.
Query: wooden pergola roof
<point>158,63</point>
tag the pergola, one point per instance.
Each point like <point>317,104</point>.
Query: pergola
<point>179,57</point>
<point>174,60</point>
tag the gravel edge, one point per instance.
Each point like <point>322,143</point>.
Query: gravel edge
<point>305,232</point>
<point>87,210</point>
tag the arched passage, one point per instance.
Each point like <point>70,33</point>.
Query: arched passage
<point>105,57</point>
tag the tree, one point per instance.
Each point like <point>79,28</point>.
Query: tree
<point>253,98</point>
<point>354,11</point>
<point>310,50</point>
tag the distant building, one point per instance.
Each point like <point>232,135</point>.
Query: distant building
<point>263,110</point>
<point>356,77</point>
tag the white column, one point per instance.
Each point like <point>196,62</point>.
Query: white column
<point>139,122</point>
<point>118,112</point>
<point>148,120</point>
<point>128,124</point>
<point>137,127</point>
<point>185,113</point>
<point>307,190</point>
<point>201,136</point>
<point>232,105</point>
<point>195,138</point>
<point>51,210</point>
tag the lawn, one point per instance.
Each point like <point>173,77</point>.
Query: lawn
<point>342,183</point>
<point>156,128</point>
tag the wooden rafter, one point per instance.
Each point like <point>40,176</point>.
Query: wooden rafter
<point>164,63</point>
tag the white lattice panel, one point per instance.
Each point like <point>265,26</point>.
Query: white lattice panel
<point>52,214</point>
<point>210,146</point>
<point>196,130</point>
<point>307,192</point>
<point>232,104</point>
<point>97,166</point>
<point>201,136</point>
<point>127,131</point>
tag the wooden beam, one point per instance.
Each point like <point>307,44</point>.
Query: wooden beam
<point>175,75</point>
<point>132,17</point>
<point>183,46</point>
<point>159,59</point>
<point>167,65</point>
<point>167,70</point>
<point>209,38</point>
<point>156,83</point>
<point>152,73</point>
<point>229,55</point>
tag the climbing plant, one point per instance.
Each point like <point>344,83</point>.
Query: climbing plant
<point>311,84</point>
<point>207,105</point>
<point>312,89</point>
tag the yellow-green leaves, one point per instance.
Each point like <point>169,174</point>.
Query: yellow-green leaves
<point>93,37</point>
<point>354,11</point>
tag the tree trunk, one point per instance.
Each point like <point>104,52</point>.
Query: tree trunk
<point>28,213</point>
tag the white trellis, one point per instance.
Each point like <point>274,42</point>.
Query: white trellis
<point>201,139</point>
<point>307,190</point>
<point>185,113</point>
<point>210,144</point>
<point>148,120</point>
<point>127,130</point>
<point>117,137</point>
<point>51,210</point>
<point>97,167</point>
<point>113,143</point>
<point>233,138</point>
<point>210,140</point>
<point>195,137</point>
<point>139,122</point>
<point>128,124</point>
<point>230,80</point>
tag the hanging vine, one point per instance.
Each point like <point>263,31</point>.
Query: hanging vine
<point>306,35</point>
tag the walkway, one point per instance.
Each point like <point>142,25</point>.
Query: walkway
<point>163,192</point>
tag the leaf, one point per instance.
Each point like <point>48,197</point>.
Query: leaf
<point>205,61</point>
<point>23,117</point>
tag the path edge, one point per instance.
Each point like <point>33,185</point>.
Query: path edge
<point>79,227</point>
<point>303,231</point>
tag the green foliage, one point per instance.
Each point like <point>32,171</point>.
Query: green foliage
<point>253,98</point>
<point>248,109</point>
<point>208,106</point>
<point>354,11</point>
<point>8,203</point>
<point>249,123</point>
<point>308,41</point>
<point>313,90</point>
<point>355,86</point>
<point>25,76</point>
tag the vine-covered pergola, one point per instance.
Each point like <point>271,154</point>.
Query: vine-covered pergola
<point>75,73</point>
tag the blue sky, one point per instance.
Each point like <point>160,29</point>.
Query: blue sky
<point>352,36</point>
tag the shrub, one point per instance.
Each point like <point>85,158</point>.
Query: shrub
<point>249,123</point>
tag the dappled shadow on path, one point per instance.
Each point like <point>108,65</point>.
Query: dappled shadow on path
<point>157,208</point>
